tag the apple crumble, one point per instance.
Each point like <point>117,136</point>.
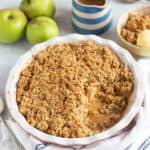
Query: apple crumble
<point>75,89</point>
<point>135,25</point>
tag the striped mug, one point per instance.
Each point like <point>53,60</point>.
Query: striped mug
<point>88,18</point>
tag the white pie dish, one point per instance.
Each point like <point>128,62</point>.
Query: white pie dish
<point>130,113</point>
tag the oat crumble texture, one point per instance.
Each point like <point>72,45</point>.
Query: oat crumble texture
<point>135,24</point>
<point>75,89</point>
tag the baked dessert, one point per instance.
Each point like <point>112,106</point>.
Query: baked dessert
<point>75,89</point>
<point>134,26</point>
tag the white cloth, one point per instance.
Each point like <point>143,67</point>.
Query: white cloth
<point>137,138</point>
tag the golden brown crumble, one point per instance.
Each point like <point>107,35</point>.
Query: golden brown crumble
<point>134,26</point>
<point>75,89</point>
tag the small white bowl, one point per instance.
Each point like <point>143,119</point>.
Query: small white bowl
<point>137,50</point>
<point>133,107</point>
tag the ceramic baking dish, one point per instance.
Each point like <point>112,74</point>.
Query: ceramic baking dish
<point>133,107</point>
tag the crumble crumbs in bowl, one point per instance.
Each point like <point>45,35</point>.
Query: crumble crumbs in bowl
<point>130,26</point>
<point>74,90</point>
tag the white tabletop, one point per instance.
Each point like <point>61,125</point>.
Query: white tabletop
<point>10,53</point>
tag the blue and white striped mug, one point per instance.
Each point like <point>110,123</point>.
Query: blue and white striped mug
<point>91,19</point>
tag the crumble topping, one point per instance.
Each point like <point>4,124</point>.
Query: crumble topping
<point>135,25</point>
<point>75,89</point>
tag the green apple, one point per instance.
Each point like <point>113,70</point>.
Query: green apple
<point>41,29</point>
<point>12,25</point>
<point>36,8</point>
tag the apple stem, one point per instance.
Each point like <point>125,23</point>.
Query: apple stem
<point>10,17</point>
<point>29,1</point>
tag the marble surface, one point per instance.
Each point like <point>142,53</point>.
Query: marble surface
<point>10,53</point>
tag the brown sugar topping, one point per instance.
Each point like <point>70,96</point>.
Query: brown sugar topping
<point>75,89</point>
